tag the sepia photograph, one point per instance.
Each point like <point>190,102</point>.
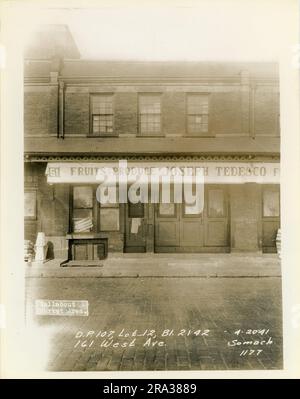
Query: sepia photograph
<point>152,188</point>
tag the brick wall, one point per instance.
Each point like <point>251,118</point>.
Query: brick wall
<point>40,110</point>
<point>76,113</point>
<point>245,213</point>
<point>30,184</point>
<point>126,113</point>
<point>229,111</point>
<point>225,113</point>
<point>173,113</point>
<point>266,113</point>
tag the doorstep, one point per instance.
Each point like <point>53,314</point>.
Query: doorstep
<point>82,263</point>
<point>163,265</point>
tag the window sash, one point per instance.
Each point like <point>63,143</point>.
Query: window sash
<point>102,123</point>
<point>150,114</point>
<point>102,114</point>
<point>150,123</point>
<point>197,113</point>
<point>82,197</point>
<point>83,220</point>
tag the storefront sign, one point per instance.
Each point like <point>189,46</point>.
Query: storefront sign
<point>213,172</point>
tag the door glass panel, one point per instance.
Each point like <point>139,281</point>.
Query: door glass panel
<point>166,209</point>
<point>216,203</point>
<point>192,210</point>
<point>271,207</point>
<point>135,210</point>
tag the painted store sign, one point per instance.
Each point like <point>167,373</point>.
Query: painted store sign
<point>212,172</point>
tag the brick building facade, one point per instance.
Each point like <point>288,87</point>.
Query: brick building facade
<point>81,113</point>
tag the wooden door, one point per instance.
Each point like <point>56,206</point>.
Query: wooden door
<point>270,217</point>
<point>191,229</point>
<point>167,227</point>
<point>135,228</point>
<point>216,217</point>
<point>179,229</point>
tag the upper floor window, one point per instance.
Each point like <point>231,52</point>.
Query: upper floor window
<point>197,114</point>
<point>150,114</point>
<point>102,114</point>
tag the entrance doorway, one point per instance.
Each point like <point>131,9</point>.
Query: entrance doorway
<point>135,227</point>
<point>270,217</point>
<point>177,229</point>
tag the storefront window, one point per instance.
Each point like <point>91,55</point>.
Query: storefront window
<point>82,209</point>
<point>216,203</point>
<point>271,203</point>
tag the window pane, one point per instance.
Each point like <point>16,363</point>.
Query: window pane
<point>102,124</point>
<point>153,108</point>
<point>216,203</point>
<point>102,114</point>
<point>197,123</point>
<point>102,104</point>
<point>109,219</point>
<point>150,123</point>
<point>82,220</point>
<point>197,104</point>
<point>194,209</point>
<point>271,207</point>
<point>197,113</point>
<point>204,128</point>
<point>83,197</point>
<point>149,109</point>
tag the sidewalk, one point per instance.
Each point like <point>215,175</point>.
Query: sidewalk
<point>166,265</point>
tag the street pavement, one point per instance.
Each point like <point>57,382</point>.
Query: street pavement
<point>154,323</point>
<point>164,265</point>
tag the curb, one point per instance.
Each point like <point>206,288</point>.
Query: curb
<point>79,274</point>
